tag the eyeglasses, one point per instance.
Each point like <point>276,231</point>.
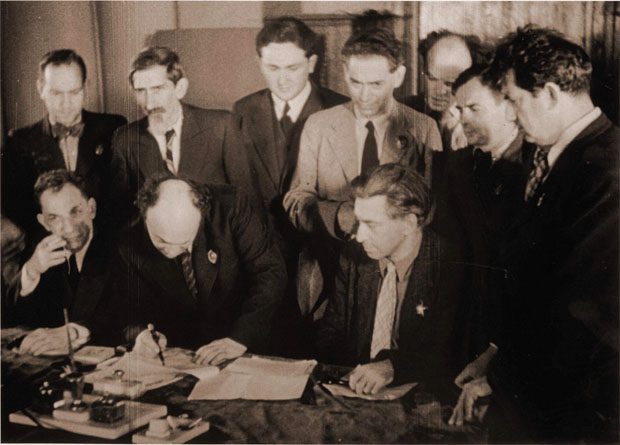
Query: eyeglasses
<point>433,79</point>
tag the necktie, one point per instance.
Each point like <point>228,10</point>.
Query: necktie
<point>370,156</point>
<point>540,168</point>
<point>170,134</point>
<point>62,131</point>
<point>384,315</point>
<point>188,272</point>
<point>285,122</point>
<point>73,273</point>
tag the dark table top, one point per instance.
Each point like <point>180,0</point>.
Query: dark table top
<point>318,417</point>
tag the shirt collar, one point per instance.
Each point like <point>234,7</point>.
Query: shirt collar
<point>404,265</point>
<point>570,133</point>
<point>296,104</point>
<point>497,153</point>
<point>380,122</point>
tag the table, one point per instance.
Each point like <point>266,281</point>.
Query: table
<point>318,417</point>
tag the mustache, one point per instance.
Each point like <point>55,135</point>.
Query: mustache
<point>157,110</point>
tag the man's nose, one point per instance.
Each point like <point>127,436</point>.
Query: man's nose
<point>362,233</point>
<point>150,101</point>
<point>364,92</point>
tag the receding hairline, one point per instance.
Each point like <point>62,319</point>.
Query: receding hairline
<point>448,44</point>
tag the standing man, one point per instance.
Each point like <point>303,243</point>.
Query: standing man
<point>445,55</point>
<point>271,121</point>
<point>174,137</point>
<point>339,143</point>
<point>395,302</point>
<point>555,375</point>
<point>69,267</point>
<point>68,137</point>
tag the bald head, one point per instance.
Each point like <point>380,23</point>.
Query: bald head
<point>173,218</point>
<point>445,60</point>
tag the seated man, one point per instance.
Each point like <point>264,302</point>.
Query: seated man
<point>201,266</point>
<point>69,267</point>
<point>394,308</point>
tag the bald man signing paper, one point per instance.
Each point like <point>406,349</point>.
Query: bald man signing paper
<point>201,266</point>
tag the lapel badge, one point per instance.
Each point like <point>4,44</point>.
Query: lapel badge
<point>99,150</point>
<point>420,308</point>
<point>212,256</point>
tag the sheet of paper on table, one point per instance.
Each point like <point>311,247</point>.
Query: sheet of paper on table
<point>151,372</point>
<point>390,393</point>
<point>256,378</point>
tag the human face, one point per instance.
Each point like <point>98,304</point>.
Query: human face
<point>69,215</point>
<point>158,96</point>
<point>62,91</point>
<point>171,239</point>
<point>286,68</point>
<point>533,112</point>
<point>441,72</point>
<point>487,119</point>
<point>381,235</point>
<point>371,83</point>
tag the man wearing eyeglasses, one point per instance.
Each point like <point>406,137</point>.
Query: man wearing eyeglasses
<point>68,268</point>
<point>445,55</point>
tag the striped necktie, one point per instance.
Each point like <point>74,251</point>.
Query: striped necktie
<point>188,272</point>
<point>540,168</point>
<point>170,134</point>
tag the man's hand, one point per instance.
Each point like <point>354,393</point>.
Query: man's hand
<point>53,341</point>
<point>476,369</point>
<point>372,377</point>
<point>346,218</point>
<point>146,347</point>
<point>219,351</point>
<point>466,408</point>
<point>48,253</point>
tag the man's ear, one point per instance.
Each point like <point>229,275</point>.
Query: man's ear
<point>180,89</point>
<point>398,76</point>
<point>412,222</point>
<point>41,220</point>
<point>552,90</point>
<point>509,112</point>
<point>92,208</point>
<point>312,61</point>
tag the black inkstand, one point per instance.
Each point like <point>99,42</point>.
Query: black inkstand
<point>108,409</point>
<point>49,396</point>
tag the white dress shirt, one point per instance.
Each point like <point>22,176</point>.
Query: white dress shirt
<point>295,105</point>
<point>380,123</point>
<point>176,142</point>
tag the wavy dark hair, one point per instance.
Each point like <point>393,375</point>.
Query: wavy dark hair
<point>55,180</point>
<point>158,56</point>
<point>287,29</point>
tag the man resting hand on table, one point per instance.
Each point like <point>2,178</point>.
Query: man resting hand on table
<point>395,303</point>
<point>201,266</point>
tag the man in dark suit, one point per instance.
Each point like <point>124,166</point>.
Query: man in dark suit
<point>395,304</point>
<point>174,137</point>
<point>68,268</point>
<point>201,266</point>
<point>270,122</point>
<point>555,375</point>
<point>68,137</point>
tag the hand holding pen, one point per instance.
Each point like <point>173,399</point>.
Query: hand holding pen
<point>150,343</point>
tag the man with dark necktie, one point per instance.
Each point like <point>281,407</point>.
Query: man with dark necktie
<point>173,137</point>
<point>68,137</point>
<point>339,143</point>
<point>69,267</point>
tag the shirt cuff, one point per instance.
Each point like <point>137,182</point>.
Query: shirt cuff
<point>28,283</point>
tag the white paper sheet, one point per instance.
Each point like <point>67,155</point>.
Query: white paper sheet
<point>391,393</point>
<point>256,379</point>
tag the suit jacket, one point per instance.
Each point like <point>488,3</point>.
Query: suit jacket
<point>561,372</point>
<point>44,306</point>
<point>328,161</point>
<point>33,150</point>
<point>239,272</point>
<point>428,350</point>
<point>210,152</point>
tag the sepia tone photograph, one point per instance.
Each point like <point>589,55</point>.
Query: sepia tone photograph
<point>310,222</point>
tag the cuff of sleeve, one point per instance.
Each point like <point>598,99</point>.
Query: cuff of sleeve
<point>28,284</point>
<point>82,334</point>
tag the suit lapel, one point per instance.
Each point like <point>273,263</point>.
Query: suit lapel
<point>399,136</point>
<point>206,260</point>
<point>48,155</point>
<point>264,132</point>
<point>343,142</point>
<point>369,277</point>
<point>149,158</point>
<point>86,147</point>
<point>189,150</point>
<point>92,280</point>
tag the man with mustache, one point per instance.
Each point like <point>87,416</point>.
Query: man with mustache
<point>69,267</point>
<point>174,137</point>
